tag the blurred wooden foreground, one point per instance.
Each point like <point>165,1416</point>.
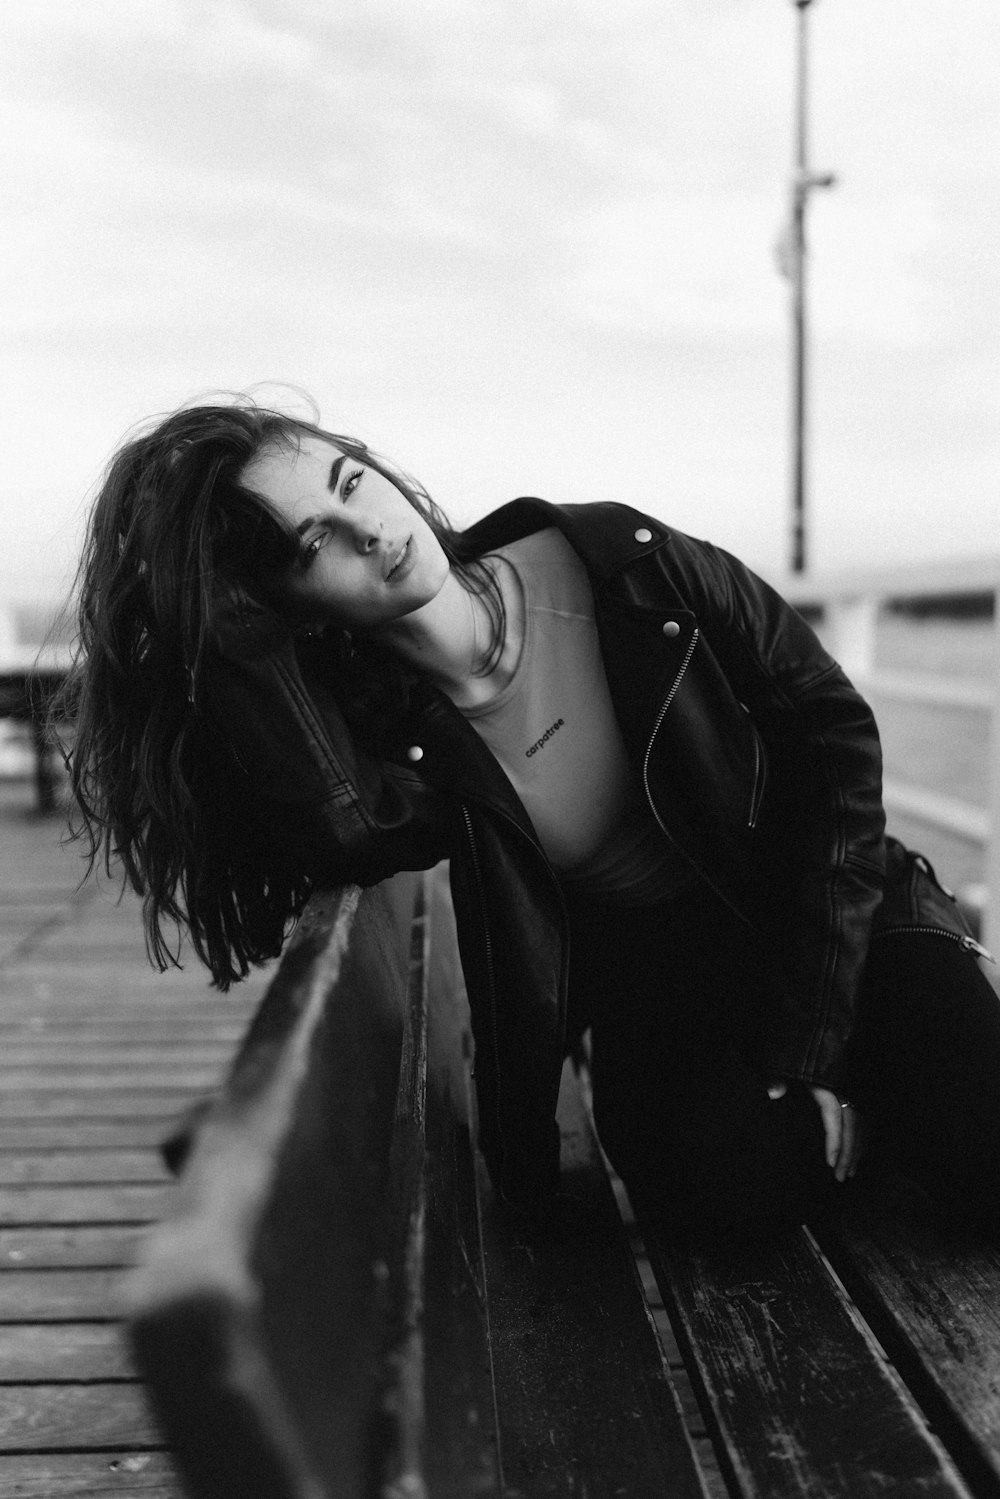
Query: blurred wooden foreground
<point>98,1055</point>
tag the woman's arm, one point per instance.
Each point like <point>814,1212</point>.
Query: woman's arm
<point>345,815</point>
<point>820,850</point>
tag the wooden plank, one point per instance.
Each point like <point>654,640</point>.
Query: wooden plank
<point>85,931</point>
<point>583,1398</point>
<point>73,1053</point>
<point>399,1403</point>
<point>932,1294</point>
<point>39,1079</point>
<point>130,1029</point>
<point>800,1402</point>
<point>80,1166</point>
<point>27,998</point>
<point>63,949</point>
<point>54,1352</point>
<point>263,1354</point>
<point>52,1247</point>
<point>461,1447</point>
<point>103,986</point>
<point>101,1204</point>
<point>18,920</point>
<point>39,1417</point>
<point>107,973</point>
<point>45,887</point>
<point>60,1295</point>
<point>115,1474</point>
<point>30,1016</point>
<point>164,1104</point>
<point>137,990</point>
<point>84,1134</point>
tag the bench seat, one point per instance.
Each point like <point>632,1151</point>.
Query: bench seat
<point>337,1305</point>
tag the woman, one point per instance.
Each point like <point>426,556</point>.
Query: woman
<point>659,796</point>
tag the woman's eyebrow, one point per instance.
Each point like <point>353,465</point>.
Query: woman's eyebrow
<point>331,484</point>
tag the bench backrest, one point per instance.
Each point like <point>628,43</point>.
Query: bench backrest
<point>338,1306</point>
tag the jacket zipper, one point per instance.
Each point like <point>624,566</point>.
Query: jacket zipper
<point>488,948</point>
<point>491,985</point>
<point>968,944</point>
<point>656,727</point>
<point>759,764</point>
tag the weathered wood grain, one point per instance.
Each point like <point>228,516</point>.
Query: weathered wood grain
<point>283,1315</point>
<point>797,1396</point>
<point>49,1246</point>
<point>60,1295</point>
<point>74,1046</point>
<point>61,1351</point>
<point>112,1037</point>
<point>110,1203</point>
<point>101,989</point>
<point>129,1055</point>
<point>29,1168</point>
<point>115,1474</point>
<point>105,1079</point>
<point>461,1450</point>
<point>83,1134</point>
<point>39,1417</point>
<point>125,1103</point>
<point>932,1294</point>
<point>583,1399</point>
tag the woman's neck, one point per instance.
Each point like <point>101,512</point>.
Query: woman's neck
<point>448,638</point>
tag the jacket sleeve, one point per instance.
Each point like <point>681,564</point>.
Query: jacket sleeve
<point>343,816</point>
<point>820,846</point>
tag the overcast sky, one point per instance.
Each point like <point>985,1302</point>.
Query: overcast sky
<point>520,247</point>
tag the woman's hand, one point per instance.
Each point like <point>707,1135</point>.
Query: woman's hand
<point>843,1135</point>
<point>841,1128</point>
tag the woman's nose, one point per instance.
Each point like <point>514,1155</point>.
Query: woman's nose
<point>367,532</point>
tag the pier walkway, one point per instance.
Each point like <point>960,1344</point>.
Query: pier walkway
<point>99,1055</point>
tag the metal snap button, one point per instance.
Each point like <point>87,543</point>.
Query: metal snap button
<point>414,753</point>
<point>671,629</point>
<point>644,534</point>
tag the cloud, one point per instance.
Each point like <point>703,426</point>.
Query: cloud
<point>872,274</point>
<point>478,226</point>
<point>668,265</point>
<point>214,35</point>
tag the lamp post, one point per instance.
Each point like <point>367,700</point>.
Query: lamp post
<point>803,181</point>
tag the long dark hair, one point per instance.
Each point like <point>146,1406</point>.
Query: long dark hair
<point>173,531</point>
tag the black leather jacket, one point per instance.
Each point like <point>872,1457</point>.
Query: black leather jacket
<point>759,760</point>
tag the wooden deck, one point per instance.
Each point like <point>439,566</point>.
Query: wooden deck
<point>99,1055</point>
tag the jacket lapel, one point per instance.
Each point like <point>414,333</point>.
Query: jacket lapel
<point>455,760</point>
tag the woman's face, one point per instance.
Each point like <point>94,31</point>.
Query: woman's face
<point>368,557</point>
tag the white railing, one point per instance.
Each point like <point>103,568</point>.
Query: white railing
<point>850,603</point>
<point>35,653</point>
<point>30,641</point>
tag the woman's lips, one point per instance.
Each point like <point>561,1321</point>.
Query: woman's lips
<point>402,562</point>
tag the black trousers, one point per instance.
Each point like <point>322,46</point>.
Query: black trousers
<point>673,997</point>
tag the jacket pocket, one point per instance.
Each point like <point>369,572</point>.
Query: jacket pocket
<point>759,776</point>
<point>915,900</point>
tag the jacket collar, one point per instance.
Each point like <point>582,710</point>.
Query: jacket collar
<point>606,536</point>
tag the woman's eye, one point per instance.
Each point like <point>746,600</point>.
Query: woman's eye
<point>311,548</point>
<point>351,483</point>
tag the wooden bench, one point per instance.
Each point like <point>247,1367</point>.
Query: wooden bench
<point>337,1307</point>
